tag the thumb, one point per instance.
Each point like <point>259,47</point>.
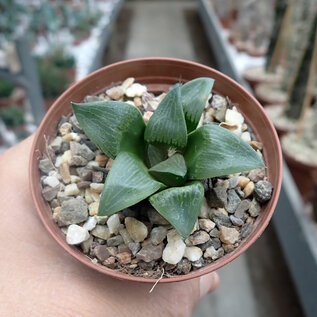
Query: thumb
<point>208,283</point>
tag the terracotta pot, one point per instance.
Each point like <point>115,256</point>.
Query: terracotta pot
<point>7,102</point>
<point>305,176</point>
<point>49,102</point>
<point>158,74</point>
<point>71,74</point>
<point>277,96</point>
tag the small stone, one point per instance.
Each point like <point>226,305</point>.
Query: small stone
<point>82,150</point>
<point>109,164</point>
<point>77,160</point>
<point>146,266</point>
<point>84,173</point>
<point>158,234</point>
<point>76,235</point>
<point>196,227</point>
<point>65,128</point>
<point>219,218</point>
<point>64,172</point>
<point>135,90</point>
<point>248,189</point>
<point>101,252</point>
<point>242,208</point>
<point>66,157</point>
<point>83,185</point>
<point>204,246</point>
<point>74,122</point>
<point>102,160</point>
<point>214,233</point>
<point>193,253</point>
<point>243,181</point>
<point>46,165</point>
<point>97,177</point>
<point>204,210</point>
<point>219,103</point>
<point>50,193</point>
<point>113,224</point>
<point>233,201</point>
<point>147,116</point>
<point>229,235</point>
<point>138,102</point>
<point>125,236</point>
<point>112,250</point>
<point>56,213</point>
<point>101,220</point>
<point>62,197</point>
<point>216,243</point>
<point>110,262</point>
<point>101,232</point>
<point>127,83</point>
<point>198,264</point>
<point>93,208</point>
<point>90,224</point>
<point>150,252</point>
<point>263,191</point>
<point>174,251</point>
<point>217,197</point>
<point>73,211</point>
<point>115,93</point>
<point>86,245</point>
<point>124,258</point>
<point>114,241</point>
<point>155,218</point>
<point>97,187</point>
<point>134,247</point>
<point>123,248</point>
<point>206,224</point>
<point>240,192</point>
<point>228,248</point>
<point>74,179</point>
<point>246,230</point>
<point>246,137</point>
<point>214,254</point>
<point>234,117</point>
<point>71,190</point>
<point>254,208</point>
<point>233,182</point>
<point>236,221</point>
<point>56,144</point>
<point>183,267</point>
<point>136,229</point>
<point>55,203</point>
<point>199,237</point>
<point>256,174</point>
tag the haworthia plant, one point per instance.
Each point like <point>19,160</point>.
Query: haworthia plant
<point>166,159</point>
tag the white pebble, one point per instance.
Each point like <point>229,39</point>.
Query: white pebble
<point>147,116</point>
<point>71,190</point>
<point>136,229</point>
<point>51,181</point>
<point>66,157</point>
<point>174,251</point>
<point>113,223</point>
<point>90,223</point>
<point>59,161</point>
<point>246,137</point>
<point>76,235</point>
<point>193,253</point>
<point>97,187</point>
<point>74,178</point>
<point>204,210</point>
<point>136,90</point>
<point>234,117</point>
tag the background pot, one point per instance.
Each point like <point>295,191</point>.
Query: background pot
<point>158,74</point>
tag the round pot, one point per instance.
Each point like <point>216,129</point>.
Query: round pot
<point>48,102</point>
<point>158,74</point>
<point>304,174</point>
<point>14,100</point>
<point>269,94</point>
<point>256,75</point>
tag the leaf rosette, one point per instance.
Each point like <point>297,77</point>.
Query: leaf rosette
<point>145,168</point>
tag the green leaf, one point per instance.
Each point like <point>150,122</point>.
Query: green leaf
<point>156,154</point>
<point>127,183</point>
<point>194,97</point>
<point>113,126</point>
<point>180,206</point>
<point>167,124</point>
<point>171,172</point>
<point>214,151</point>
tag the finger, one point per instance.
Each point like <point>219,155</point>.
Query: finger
<point>208,283</point>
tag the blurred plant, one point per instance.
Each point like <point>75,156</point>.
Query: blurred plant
<point>53,80</point>
<point>61,59</point>
<point>6,88</point>
<point>12,116</point>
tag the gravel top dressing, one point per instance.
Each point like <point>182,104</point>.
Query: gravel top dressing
<point>138,240</point>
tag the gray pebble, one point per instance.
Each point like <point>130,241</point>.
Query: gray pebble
<point>242,208</point>
<point>206,245</point>
<point>158,234</point>
<point>123,248</point>
<point>219,103</point>
<point>84,173</point>
<point>97,177</point>
<point>263,191</point>
<point>216,243</point>
<point>77,160</point>
<point>45,165</point>
<point>236,221</point>
<point>155,218</point>
<point>73,211</point>
<point>246,230</point>
<point>56,144</point>
<point>214,233</point>
<point>233,201</point>
<point>64,147</point>
<point>199,237</point>
<point>233,182</point>
<point>114,241</point>
<point>217,197</point>
<point>82,150</point>
<point>199,263</point>
<point>83,185</point>
<point>86,245</point>
<point>183,267</point>
<point>134,247</point>
<point>257,174</point>
<point>90,144</point>
<point>150,252</point>
<point>74,122</point>
<point>147,266</point>
<point>220,219</point>
<point>101,252</point>
<point>50,193</point>
<point>254,208</point>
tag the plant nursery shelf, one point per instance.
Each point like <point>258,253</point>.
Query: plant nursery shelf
<point>296,232</point>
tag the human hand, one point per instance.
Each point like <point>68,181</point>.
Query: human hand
<point>38,278</point>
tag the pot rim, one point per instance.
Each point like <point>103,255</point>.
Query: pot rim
<point>194,274</point>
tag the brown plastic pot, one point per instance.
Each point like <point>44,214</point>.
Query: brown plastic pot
<point>304,174</point>
<point>158,74</point>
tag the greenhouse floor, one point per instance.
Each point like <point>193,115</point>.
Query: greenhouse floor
<point>258,283</point>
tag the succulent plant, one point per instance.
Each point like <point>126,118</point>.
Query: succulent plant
<point>6,88</point>
<point>167,159</point>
